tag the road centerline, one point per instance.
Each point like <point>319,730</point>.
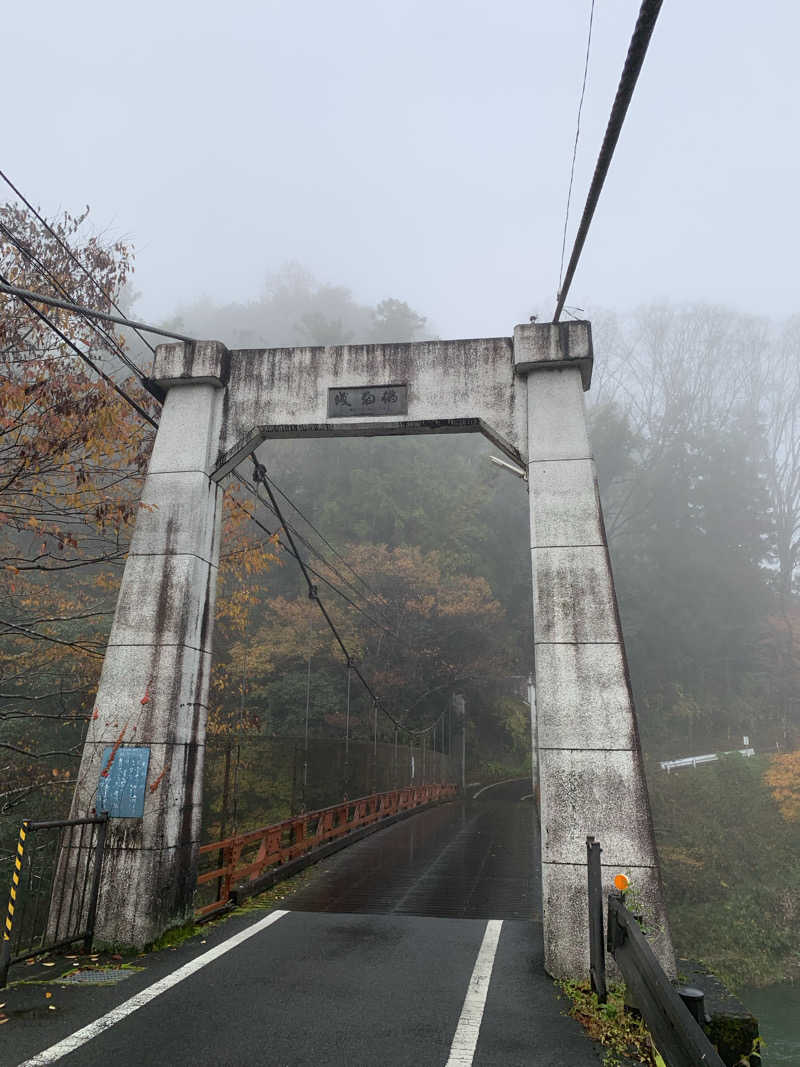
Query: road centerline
<point>465,1039</point>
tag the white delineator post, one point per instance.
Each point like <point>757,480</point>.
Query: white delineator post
<point>154,685</point>
<point>590,764</point>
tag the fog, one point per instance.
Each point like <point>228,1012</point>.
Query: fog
<point>318,173</point>
<point>415,150</point>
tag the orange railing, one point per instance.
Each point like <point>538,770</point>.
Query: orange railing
<point>244,857</point>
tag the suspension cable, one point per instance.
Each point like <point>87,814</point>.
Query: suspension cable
<point>259,476</point>
<point>326,542</point>
<point>645,24</point>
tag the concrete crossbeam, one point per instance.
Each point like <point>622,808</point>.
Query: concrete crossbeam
<point>452,386</point>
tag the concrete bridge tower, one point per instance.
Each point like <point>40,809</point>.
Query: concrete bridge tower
<point>143,756</point>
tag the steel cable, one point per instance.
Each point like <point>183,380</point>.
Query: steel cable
<point>645,24</point>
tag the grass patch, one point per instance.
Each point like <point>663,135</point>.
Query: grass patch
<point>621,1032</point>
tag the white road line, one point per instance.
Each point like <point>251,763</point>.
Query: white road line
<point>80,1037</point>
<point>491,785</point>
<point>465,1041</point>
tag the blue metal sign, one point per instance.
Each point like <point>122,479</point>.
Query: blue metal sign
<point>122,781</point>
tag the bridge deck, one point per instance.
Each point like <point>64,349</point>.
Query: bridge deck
<point>370,967</point>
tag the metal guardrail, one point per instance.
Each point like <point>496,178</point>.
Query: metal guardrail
<point>245,857</point>
<point>709,757</point>
<point>678,1036</point>
<point>45,913</point>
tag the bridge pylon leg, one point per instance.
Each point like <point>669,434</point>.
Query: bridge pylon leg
<point>153,690</point>
<point>590,763</point>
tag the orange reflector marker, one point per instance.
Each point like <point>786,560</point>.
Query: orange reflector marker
<point>622,882</point>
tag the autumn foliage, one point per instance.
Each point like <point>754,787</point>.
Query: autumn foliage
<point>783,778</point>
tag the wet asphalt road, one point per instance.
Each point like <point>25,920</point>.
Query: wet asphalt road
<point>477,860</point>
<point>370,967</point>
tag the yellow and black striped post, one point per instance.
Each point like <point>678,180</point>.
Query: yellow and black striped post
<point>5,947</point>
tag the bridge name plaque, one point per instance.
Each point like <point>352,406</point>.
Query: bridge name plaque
<point>367,400</point>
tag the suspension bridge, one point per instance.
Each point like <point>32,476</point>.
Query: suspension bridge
<point>431,936</point>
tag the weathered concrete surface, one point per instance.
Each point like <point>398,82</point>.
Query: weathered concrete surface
<point>453,386</point>
<point>590,766</point>
<point>154,684</point>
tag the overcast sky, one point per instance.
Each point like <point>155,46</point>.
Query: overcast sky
<point>418,150</point>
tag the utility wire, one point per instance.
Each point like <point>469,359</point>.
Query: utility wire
<point>4,286</point>
<point>645,24</point>
<point>575,146</point>
<point>43,269</point>
<point>27,296</point>
<point>67,305</point>
<point>24,296</point>
<point>46,637</point>
<point>70,253</point>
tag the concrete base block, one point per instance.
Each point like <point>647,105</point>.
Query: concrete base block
<point>566,916</point>
<point>151,892</point>
<point>582,697</point>
<point>598,793</point>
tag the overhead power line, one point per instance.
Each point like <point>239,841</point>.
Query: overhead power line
<point>81,355</point>
<point>28,297</point>
<point>81,266</point>
<point>575,146</point>
<point>645,24</point>
<point>51,301</point>
<point>312,570</point>
<point>107,337</point>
